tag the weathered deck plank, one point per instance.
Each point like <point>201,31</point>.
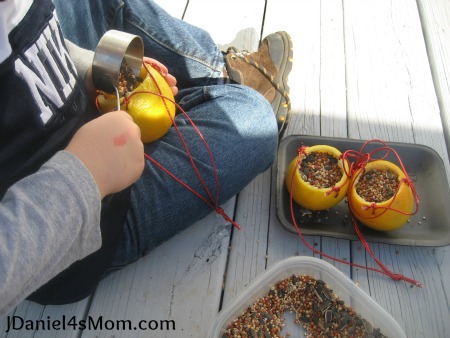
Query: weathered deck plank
<point>361,70</point>
<point>248,248</point>
<point>435,17</point>
<point>32,311</point>
<point>181,281</point>
<point>390,95</point>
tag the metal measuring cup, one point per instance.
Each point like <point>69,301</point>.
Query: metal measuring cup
<point>114,48</point>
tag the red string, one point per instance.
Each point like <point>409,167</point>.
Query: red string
<point>361,159</point>
<point>210,200</point>
<point>197,172</point>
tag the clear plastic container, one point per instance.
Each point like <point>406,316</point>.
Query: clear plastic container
<point>341,285</point>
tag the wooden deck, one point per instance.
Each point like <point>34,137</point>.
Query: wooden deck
<point>362,70</point>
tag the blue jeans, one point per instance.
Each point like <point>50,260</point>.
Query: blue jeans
<point>237,122</point>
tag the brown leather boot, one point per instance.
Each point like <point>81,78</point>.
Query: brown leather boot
<point>266,71</point>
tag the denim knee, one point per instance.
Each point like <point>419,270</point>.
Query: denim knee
<point>256,119</point>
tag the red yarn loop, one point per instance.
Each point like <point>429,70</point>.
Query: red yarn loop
<point>210,199</point>
<point>360,160</point>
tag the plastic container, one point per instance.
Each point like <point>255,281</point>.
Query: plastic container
<point>341,285</point>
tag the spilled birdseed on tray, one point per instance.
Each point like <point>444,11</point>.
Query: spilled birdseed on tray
<point>320,170</point>
<point>317,309</point>
<point>377,185</point>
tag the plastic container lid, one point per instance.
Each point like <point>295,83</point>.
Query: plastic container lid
<point>342,286</point>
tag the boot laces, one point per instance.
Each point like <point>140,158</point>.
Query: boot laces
<point>245,56</point>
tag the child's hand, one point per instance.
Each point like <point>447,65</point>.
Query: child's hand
<point>170,79</point>
<point>110,147</point>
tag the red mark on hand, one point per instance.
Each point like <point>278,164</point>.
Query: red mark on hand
<point>120,140</point>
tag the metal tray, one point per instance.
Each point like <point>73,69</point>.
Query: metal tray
<point>429,227</point>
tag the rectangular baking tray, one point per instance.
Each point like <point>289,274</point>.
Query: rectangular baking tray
<point>430,226</point>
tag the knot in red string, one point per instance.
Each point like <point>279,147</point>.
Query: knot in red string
<point>302,150</point>
<point>397,276</point>
<point>221,212</point>
<point>335,188</point>
<point>407,181</point>
<point>126,100</point>
<point>359,165</point>
<point>372,206</point>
